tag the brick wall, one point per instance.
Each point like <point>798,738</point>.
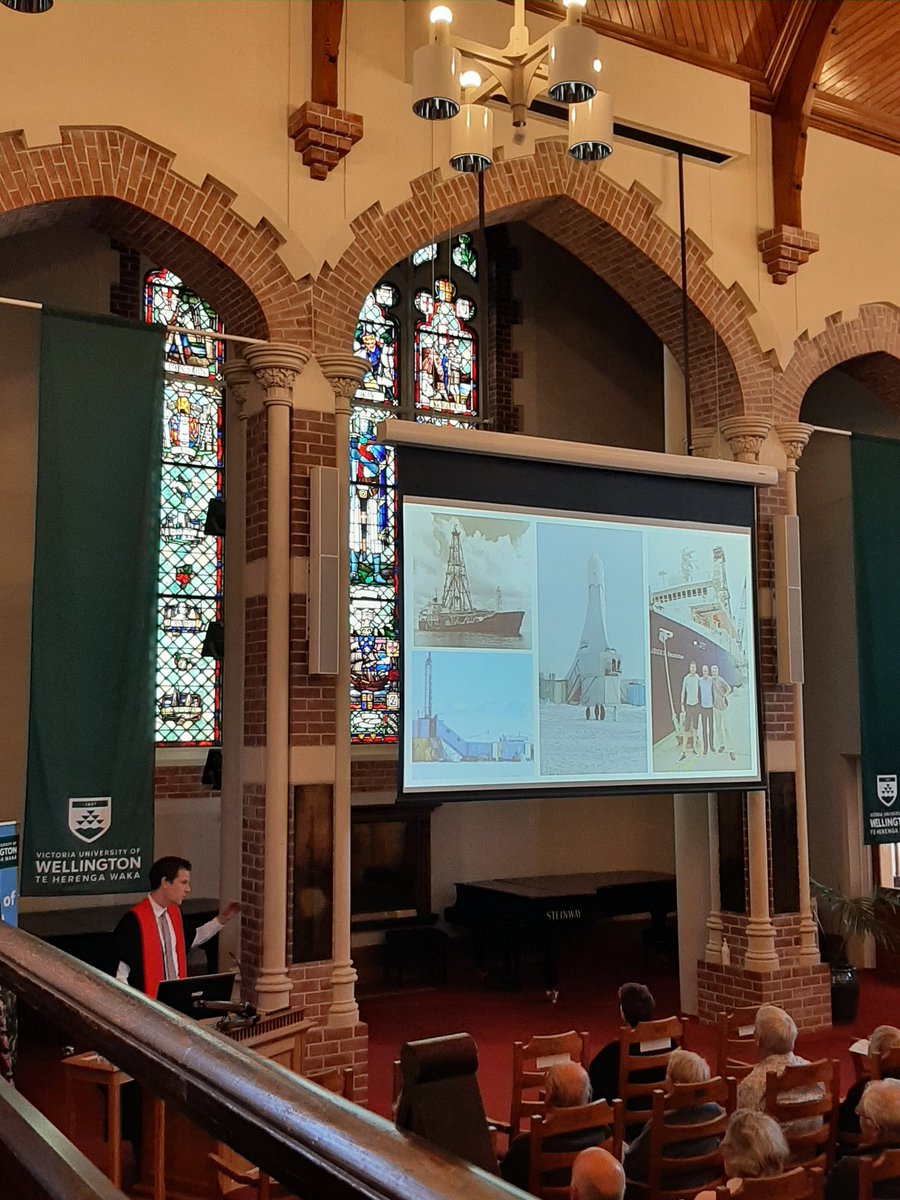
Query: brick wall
<point>252,881</point>
<point>504,364</point>
<point>803,991</point>
<point>373,775</point>
<point>180,783</point>
<point>328,1046</point>
<point>125,295</point>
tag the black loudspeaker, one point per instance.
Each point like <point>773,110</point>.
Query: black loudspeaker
<point>215,518</point>
<point>214,642</point>
<point>212,772</point>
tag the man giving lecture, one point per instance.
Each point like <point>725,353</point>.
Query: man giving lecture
<point>149,939</point>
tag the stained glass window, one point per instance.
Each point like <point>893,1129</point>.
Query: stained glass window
<point>464,255</point>
<point>445,352</point>
<point>424,254</point>
<point>424,366</point>
<point>188,686</point>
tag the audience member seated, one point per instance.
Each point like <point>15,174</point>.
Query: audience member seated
<point>754,1147</point>
<point>885,1037</point>
<point>879,1122</point>
<point>683,1067</point>
<point>566,1086</point>
<point>596,1175</point>
<point>636,1004</point>
<point>776,1034</point>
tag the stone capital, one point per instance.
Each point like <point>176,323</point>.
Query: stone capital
<point>276,365</point>
<point>702,439</point>
<point>745,436</point>
<point>794,435</point>
<point>238,378</point>
<point>344,371</point>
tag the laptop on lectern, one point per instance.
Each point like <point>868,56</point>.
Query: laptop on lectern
<point>189,996</point>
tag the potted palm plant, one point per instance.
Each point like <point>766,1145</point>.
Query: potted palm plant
<point>876,916</point>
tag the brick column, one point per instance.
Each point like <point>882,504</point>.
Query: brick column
<point>793,437</point>
<point>276,366</point>
<point>745,436</point>
<point>767,965</point>
<point>344,371</point>
<point>238,378</point>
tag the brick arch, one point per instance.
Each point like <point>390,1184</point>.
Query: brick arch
<point>867,347</point>
<point>616,232</point>
<point>139,197</point>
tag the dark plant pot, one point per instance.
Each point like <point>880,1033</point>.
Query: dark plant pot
<point>844,993</point>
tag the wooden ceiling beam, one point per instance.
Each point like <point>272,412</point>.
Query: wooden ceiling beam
<point>811,40</point>
<point>327,17</point>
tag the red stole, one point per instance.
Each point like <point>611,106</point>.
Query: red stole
<point>151,947</point>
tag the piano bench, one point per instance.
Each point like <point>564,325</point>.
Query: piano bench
<point>424,948</point>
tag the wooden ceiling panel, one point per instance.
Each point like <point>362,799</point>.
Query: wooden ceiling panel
<point>864,64</point>
<point>741,32</point>
<point>858,91</point>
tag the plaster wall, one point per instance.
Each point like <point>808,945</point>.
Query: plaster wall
<point>242,66</point>
<point>70,269</point>
<point>831,692</point>
<point>509,839</point>
<point>590,366</point>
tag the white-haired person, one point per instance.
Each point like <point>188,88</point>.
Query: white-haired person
<point>566,1085</point>
<point>683,1067</point>
<point>879,1120</point>
<point>596,1175</point>
<point>776,1034</point>
<point>882,1039</point>
<point>754,1147</point>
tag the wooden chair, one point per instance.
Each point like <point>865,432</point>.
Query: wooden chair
<point>877,1170</point>
<point>665,1171</point>
<point>440,1101</point>
<point>736,1049</point>
<point>530,1062</point>
<point>643,1056</point>
<point>816,1148</point>
<point>229,1171</point>
<point>799,1184</point>
<point>550,1171</point>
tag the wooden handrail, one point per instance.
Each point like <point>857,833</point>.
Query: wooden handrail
<point>46,1158</point>
<point>313,1142</point>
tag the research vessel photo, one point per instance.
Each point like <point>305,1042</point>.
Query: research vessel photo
<point>455,612</point>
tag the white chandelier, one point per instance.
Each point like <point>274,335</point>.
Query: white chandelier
<point>569,54</point>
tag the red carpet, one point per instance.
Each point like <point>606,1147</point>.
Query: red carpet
<point>587,1001</point>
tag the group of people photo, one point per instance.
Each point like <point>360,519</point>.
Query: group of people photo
<point>704,710</point>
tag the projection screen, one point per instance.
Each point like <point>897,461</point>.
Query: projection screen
<point>570,629</point>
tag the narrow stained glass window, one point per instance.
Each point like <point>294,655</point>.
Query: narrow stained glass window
<point>188,686</point>
<point>422,355</point>
<point>374,646</point>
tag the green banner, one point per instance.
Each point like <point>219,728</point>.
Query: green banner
<point>876,533</point>
<point>89,793</point>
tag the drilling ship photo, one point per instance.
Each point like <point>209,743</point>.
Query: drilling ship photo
<point>453,619</point>
<point>697,630</point>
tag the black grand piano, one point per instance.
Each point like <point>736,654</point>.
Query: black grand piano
<point>517,916</point>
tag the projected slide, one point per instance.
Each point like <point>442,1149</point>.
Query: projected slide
<point>562,650</point>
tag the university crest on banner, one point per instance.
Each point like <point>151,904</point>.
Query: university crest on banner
<point>887,789</point>
<point>90,816</point>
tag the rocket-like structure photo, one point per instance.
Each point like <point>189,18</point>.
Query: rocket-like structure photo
<point>595,673</point>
